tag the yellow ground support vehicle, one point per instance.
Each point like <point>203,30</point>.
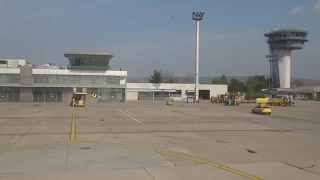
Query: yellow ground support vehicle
<point>281,101</point>
<point>261,109</point>
<point>222,98</point>
<point>262,100</point>
<point>215,99</point>
<point>78,97</point>
<point>170,102</point>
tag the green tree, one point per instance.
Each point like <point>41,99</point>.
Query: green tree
<point>236,85</point>
<point>222,80</point>
<point>254,85</point>
<point>156,77</point>
<point>297,83</point>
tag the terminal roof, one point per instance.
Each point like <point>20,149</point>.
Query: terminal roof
<point>88,52</point>
<point>276,31</point>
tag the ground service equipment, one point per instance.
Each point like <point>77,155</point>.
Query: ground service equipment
<point>79,97</point>
<point>222,98</point>
<point>262,100</point>
<point>170,101</point>
<point>281,101</point>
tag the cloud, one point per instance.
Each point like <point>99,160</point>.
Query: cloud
<point>316,8</point>
<point>298,10</point>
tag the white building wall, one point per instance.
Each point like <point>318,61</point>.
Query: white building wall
<point>79,72</point>
<point>122,74</point>
<point>137,87</point>
<point>13,63</point>
<point>130,96</point>
<point>67,72</point>
<point>9,70</point>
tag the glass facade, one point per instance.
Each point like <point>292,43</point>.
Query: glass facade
<point>9,78</point>
<point>158,95</point>
<point>288,35</point>
<point>178,93</point>
<point>111,94</point>
<point>9,94</point>
<point>89,61</point>
<point>145,95</point>
<point>47,95</point>
<point>77,79</point>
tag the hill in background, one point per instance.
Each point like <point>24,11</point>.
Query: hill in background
<point>207,80</point>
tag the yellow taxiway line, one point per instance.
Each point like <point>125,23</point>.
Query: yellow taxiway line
<point>73,127</point>
<point>184,157</point>
<point>248,176</point>
<point>73,139</point>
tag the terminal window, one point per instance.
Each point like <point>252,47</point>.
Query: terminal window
<point>89,61</point>
<point>3,62</point>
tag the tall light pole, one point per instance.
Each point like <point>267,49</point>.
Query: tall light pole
<point>197,16</point>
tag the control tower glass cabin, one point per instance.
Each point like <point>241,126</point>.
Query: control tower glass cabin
<point>281,43</point>
<point>88,60</point>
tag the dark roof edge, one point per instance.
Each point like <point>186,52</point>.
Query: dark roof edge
<point>275,31</point>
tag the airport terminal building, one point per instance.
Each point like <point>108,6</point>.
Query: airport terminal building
<point>87,73</point>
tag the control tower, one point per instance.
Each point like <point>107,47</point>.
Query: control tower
<point>281,43</point>
<point>88,60</point>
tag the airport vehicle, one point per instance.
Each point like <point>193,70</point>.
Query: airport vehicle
<point>170,101</point>
<point>261,109</point>
<point>222,98</point>
<point>219,99</point>
<point>78,97</point>
<point>215,99</point>
<point>281,101</point>
<point>262,100</point>
<point>230,102</point>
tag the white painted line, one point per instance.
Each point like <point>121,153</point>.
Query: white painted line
<point>134,120</point>
<point>131,113</point>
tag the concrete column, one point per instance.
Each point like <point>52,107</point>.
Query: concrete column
<point>284,63</point>
<point>26,95</point>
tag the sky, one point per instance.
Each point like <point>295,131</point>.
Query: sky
<point>159,34</point>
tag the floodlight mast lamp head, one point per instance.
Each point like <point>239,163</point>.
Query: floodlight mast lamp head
<point>198,16</point>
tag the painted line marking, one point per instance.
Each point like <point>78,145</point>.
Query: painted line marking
<point>184,157</point>
<point>134,120</point>
<point>73,127</point>
<point>144,149</point>
<point>131,113</point>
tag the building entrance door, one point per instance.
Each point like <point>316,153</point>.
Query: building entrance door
<point>3,96</point>
<point>10,96</point>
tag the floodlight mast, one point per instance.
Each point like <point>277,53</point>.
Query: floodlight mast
<point>197,16</point>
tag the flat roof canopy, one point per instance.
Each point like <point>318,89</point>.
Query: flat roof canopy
<point>302,89</point>
<point>88,52</point>
<point>284,30</point>
<point>88,59</point>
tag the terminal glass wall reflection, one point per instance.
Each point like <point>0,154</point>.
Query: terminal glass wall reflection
<point>47,95</point>
<point>9,94</point>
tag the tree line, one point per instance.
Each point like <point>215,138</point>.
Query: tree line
<point>168,77</point>
<point>251,86</point>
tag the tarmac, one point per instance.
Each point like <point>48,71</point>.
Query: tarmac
<point>149,140</point>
